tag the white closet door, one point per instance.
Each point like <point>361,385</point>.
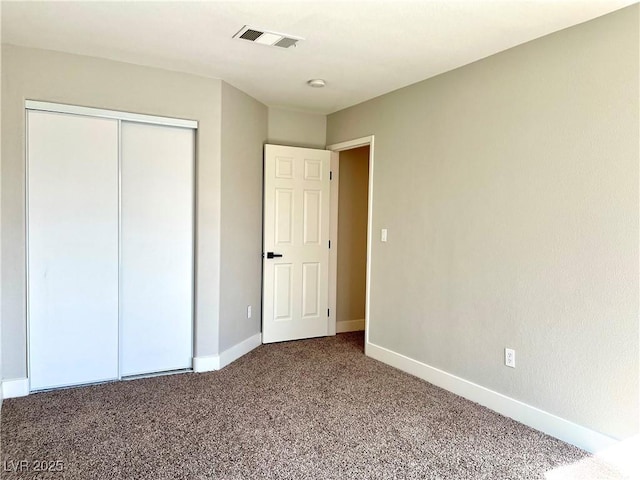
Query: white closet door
<point>72,249</point>
<point>156,289</point>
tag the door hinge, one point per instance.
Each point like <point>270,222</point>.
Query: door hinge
<point>328,312</point>
<point>329,243</point>
<point>330,175</point>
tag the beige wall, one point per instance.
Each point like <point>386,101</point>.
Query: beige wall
<point>58,77</point>
<point>244,131</point>
<point>297,129</point>
<point>1,395</point>
<point>509,188</point>
<point>352,234</point>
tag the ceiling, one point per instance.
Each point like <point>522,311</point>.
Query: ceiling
<point>361,48</point>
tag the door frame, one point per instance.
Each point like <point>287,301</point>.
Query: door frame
<point>336,148</point>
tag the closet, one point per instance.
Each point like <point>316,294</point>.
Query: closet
<point>110,206</point>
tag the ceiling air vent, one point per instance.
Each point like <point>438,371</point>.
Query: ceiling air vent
<point>264,37</point>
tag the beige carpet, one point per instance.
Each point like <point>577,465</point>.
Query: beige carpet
<point>313,409</point>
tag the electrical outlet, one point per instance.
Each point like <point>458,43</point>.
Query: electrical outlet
<point>510,357</point>
<point>248,311</point>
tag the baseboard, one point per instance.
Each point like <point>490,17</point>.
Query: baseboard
<point>350,326</point>
<point>206,364</point>
<point>18,387</point>
<point>216,362</point>
<point>533,417</point>
<point>240,349</point>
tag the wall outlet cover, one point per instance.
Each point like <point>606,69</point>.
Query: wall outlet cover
<point>510,357</point>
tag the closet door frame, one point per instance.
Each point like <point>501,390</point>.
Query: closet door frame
<point>37,105</point>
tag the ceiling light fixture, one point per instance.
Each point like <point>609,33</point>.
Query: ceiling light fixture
<point>316,83</point>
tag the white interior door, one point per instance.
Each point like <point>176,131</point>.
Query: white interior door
<point>72,249</point>
<point>296,243</point>
<point>156,290</point>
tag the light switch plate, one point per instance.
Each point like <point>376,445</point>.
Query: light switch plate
<point>383,235</point>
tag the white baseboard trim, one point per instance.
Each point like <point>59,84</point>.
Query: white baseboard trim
<point>18,387</point>
<point>216,362</point>
<point>206,364</point>
<point>349,326</point>
<point>533,417</point>
<point>240,349</point>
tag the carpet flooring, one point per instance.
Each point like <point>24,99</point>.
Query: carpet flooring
<point>312,409</point>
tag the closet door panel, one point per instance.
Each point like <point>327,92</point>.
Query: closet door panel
<point>72,249</point>
<point>156,290</point>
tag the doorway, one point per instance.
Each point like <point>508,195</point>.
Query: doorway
<point>351,213</point>
<point>301,240</point>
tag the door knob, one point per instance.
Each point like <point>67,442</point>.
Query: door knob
<point>273,255</point>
